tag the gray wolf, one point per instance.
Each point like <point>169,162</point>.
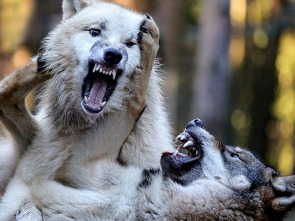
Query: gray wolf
<point>100,74</point>
<point>212,181</point>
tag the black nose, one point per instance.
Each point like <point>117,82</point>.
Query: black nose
<point>195,122</point>
<point>112,56</point>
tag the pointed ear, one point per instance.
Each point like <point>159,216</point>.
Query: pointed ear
<point>71,7</point>
<point>286,197</point>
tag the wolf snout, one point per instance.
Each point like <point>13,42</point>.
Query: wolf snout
<point>195,122</point>
<point>112,56</point>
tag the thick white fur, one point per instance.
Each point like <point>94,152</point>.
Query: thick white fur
<point>219,192</point>
<point>67,133</point>
<point>123,199</point>
<point>9,157</point>
<point>81,152</point>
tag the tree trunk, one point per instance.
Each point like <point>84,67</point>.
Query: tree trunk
<point>211,82</point>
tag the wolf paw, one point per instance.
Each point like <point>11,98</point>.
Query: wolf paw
<point>15,87</point>
<point>148,38</point>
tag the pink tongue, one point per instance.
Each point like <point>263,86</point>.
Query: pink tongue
<point>97,93</point>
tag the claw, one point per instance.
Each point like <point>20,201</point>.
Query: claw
<point>144,29</point>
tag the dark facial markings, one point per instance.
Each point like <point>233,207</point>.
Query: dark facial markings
<point>147,177</point>
<point>103,25</point>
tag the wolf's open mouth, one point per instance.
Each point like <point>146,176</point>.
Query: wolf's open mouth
<point>175,164</point>
<point>188,146</point>
<point>98,86</point>
<point>191,151</point>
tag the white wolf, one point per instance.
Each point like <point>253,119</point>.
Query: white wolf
<point>104,170</point>
<point>101,61</point>
<point>212,182</point>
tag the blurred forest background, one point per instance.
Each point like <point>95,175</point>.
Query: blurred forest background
<point>230,63</point>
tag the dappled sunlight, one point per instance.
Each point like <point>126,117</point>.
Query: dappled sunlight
<point>14,18</point>
<point>237,50</point>
<point>284,107</point>
<point>238,9</point>
<point>239,120</point>
<point>260,38</point>
<point>259,11</point>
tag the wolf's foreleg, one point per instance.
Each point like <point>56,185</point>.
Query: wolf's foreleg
<point>21,125</point>
<point>142,90</point>
<point>59,202</point>
<point>13,110</point>
<point>148,38</point>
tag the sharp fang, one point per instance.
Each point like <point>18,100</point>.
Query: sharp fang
<point>197,152</point>
<point>98,67</point>
<point>85,99</point>
<point>114,74</point>
<point>177,138</point>
<point>100,70</point>
<point>189,143</point>
<point>176,152</point>
<point>182,137</point>
<point>103,104</point>
<point>95,67</point>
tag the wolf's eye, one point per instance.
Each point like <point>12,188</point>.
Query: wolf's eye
<point>234,155</point>
<point>95,32</point>
<point>129,44</point>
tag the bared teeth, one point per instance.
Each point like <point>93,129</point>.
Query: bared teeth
<point>179,136</point>
<point>114,73</point>
<point>100,69</point>
<point>188,144</point>
<point>176,152</point>
<point>103,104</point>
<point>196,152</point>
<point>182,137</point>
<point>95,67</point>
<point>85,99</point>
